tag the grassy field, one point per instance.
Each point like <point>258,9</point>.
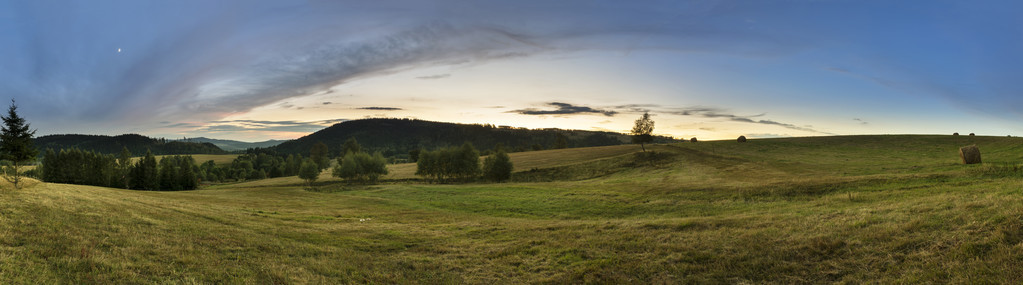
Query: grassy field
<point>888,209</point>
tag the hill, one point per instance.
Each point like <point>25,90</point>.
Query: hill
<point>889,209</point>
<point>233,145</point>
<point>396,137</point>
<point>137,144</point>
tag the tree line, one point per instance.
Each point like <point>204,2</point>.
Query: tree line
<point>462,164</point>
<point>86,167</point>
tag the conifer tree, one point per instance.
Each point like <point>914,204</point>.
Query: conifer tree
<point>16,141</point>
<point>148,172</point>
<point>124,167</point>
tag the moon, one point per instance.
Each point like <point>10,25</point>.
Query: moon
<point>118,50</point>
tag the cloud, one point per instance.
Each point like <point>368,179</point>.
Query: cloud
<point>266,126</point>
<point>438,76</point>
<point>862,122</point>
<point>380,108</point>
<point>711,112</point>
<point>180,125</point>
<point>564,109</point>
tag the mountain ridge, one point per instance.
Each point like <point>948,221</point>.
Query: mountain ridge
<point>233,145</point>
<point>396,137</point>
<point>135,143</point>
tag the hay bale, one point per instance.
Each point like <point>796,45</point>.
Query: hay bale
<point>741,139</point>
<point>692,139</point>
<point>971,134</point>
<point>955,134</point>
<point>970,154</point>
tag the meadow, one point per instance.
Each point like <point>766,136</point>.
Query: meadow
<point>848,209</point>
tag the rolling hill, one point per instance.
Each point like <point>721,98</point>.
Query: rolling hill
<point>137,144</point>
<point>232,145</point>
<point>888,209</point>
<point>396,137</point>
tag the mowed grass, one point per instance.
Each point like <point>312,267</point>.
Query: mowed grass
<point>524,161</point>
<point>888,209</point>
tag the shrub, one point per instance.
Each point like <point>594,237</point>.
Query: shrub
<point>497,167</point>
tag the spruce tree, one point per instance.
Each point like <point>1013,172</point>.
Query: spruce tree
<point>124,167</point>
<point>149,174</point>
<point>16,141</point>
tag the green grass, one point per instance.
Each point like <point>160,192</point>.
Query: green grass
<point>888,209</point>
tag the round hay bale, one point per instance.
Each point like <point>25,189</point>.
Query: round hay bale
<point>955,134</point>
<point>970,154</point>
<point>741,139</point>
<point>692,139</point>
<point>971,134</point>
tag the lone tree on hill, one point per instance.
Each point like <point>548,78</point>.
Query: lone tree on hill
<point>642,131</point>
<point>16,141</point>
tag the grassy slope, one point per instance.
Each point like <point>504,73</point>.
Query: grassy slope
<point>885,208</point>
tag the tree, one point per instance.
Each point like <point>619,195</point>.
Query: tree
<point>309,171</point>
<point>413,155</point>
<point>318,154</point>
<point>642,131</point>
<point>350,146</point>
<point>561,142</point>
<point>460,163</point>
<point>148,173</point>
<point>361,166</point>
<point>497,167</point>
<point>169,174</point>
<point>16,141</point>
<point>124,167</point>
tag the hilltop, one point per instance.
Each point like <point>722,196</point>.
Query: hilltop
<point>396,137</point>
<point>233,145</point>
<point>137,144</point>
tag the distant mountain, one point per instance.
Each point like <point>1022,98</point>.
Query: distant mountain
<point>137,144</point>
<point>396,137</point>
<point>232,145</point>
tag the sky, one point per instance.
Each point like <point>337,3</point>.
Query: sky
<point>257,70</point>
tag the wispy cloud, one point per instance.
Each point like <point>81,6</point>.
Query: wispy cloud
<point>862,122</point>
<point>564,109</point>
<point>380,108</point>
<point>437,76</point>
<point>267,126</point>
<point>711,112</point>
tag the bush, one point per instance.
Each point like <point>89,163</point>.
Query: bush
<point>310,171</point>
<point>497,167</point>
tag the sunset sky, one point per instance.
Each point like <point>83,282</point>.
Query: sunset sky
<point>257,70</point>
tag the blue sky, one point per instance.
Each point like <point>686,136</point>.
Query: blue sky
<point>255,70</point>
